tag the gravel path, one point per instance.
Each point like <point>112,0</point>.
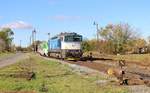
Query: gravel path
<point>12,59</point>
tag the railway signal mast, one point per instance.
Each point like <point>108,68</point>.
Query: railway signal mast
<point>97,34</point>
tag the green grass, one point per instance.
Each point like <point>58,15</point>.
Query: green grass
<point>6,54</point>
<point>53,77</point>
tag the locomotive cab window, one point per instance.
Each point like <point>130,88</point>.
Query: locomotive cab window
<point>75,38</point>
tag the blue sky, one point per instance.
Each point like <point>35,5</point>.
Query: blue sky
<point>57,16</point>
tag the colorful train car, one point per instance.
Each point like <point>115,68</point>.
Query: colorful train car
<point>43,48</point>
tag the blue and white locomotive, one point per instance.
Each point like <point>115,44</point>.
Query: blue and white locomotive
<point>65,45</point>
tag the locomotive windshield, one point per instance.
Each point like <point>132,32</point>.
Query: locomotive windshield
<point>73,38</point>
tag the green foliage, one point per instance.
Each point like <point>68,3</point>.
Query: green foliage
<point>86,46</point>
<point>105,47</point>
<point>119,35</point>
<point>6,36</point>
<point>90,45</point>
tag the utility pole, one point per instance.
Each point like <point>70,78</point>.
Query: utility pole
<point>20,43</point>
<point>34,39</point>
<point>30,41</point>
<point>97,31</point>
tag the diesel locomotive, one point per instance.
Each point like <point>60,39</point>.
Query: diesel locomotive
<point>65,45</point>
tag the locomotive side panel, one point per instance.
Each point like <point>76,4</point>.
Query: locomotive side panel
<point>54,47</point>
<point>54,44</point>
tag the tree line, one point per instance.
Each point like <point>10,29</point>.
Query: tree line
<point>117,39</point>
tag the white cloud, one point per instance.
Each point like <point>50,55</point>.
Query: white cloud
<point>17,25</point>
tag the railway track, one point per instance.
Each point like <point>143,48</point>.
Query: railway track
<point>103,65</point>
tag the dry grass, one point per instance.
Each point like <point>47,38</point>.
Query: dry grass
<point>139,58</point>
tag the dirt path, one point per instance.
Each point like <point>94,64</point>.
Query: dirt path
<point>12,59</point>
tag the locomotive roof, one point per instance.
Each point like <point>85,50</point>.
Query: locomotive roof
<point>64,34</point>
